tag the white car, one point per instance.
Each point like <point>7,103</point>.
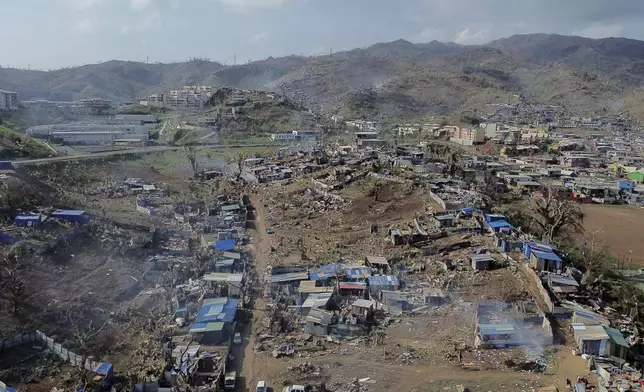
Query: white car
<point>261,387</point>
<point>294,388</point>
<point>237,339</point>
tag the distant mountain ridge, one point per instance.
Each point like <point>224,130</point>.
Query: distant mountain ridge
<point>391,79</point>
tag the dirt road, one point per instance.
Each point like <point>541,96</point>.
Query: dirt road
<point>261,249</point>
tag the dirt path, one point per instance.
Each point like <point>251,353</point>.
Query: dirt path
<point>261,250</point>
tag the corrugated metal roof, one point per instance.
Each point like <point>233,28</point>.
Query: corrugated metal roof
<point>207,327</point>
<point>545,255</point>
<point>230,207</point>
<point>316,300</point>
<point>68,212</point>
<point>357,272</point>
<point>496,329</point>
<point>218,311</point>
<point>379,260</point>
<point>481,257</point>
<point>222,277</point>
<point>616,336</point>
<point>104,369</point>
<point>224,263</point>
<point>290,277</point>
<point>590,332</point>
<point>225,245</point>
<point>232,255</point>
<point>498,224</point>
<point>363,303</point>
<point>387,280</point>
<point>308,286</point>
<point>560,280</point>
<point>319,316</point>
<point>325,272</point>
<point>353,286</point>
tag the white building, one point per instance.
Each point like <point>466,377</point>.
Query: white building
<point>9,100</point>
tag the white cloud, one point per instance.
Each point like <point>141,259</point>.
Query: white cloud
<point>84,4</point>
<point>252,5</point>
<point>258,37</point>
<point>150,22</point>
<point>83,26</point>
<point>472,37</point>
<point>140,5</point>
<point>600,31</point>
<point>426,35</point>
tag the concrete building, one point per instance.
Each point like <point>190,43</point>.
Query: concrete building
<point>9,100</point>
<point>469,136</point>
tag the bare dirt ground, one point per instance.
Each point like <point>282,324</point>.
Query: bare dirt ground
<point>430,337</point>
<point>618,228</point>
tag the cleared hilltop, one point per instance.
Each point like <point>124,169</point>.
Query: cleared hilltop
<point>389,79</point>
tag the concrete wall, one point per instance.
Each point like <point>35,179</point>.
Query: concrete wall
<point>437,199</point>
<point>58,349</point>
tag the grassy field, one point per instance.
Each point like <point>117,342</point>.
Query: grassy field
<point>618,228</point>
<point>16,145</point>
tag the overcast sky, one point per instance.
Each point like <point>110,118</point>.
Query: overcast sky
<point>48,34</point>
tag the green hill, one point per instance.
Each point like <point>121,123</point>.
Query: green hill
<point>14,145</point>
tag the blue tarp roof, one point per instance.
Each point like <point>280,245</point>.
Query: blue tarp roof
<point>27,217</point>
<point>357,272</point>
<point>545,255</point>
<point>104,369</point>
<point>225,245</point>
<point>326,271</point>
<point>6,388</point>
<point>498,224</point>
<point>68,212</point>
<point>383,281</point>
<point>544,247</point>
<point>221,311</point>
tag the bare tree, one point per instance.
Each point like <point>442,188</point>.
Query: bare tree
<point>240,160</point>
<point>82,336</point>
<point>376,190</point>
<point>191,154</point>
<point>552,216</point>
<point>13,289</point>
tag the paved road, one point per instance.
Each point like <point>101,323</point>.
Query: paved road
<point>141,150</point>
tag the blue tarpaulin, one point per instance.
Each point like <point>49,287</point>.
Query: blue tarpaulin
<point>325,272</point>
<point>218,309</point>
<point>225,245</point>
<point>546,255</point>
<point>383,281</point>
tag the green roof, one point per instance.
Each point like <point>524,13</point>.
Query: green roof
<point>230,207</point>
<point>636,175</point>
<point>616,337</point>
<point>213,326</point>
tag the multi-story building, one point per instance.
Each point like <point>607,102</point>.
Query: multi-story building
<point>469,135</point>
<point>9,100</point>
<point>188,98</point>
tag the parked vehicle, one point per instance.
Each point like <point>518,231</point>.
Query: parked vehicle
<point>294,388</point>
<point>261,387</point>
<point>237,339</point>
<point>229,380</point>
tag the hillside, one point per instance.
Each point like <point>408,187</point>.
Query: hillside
<point>261,113</point>
<point>15,145</point>
<point>620,59</point>
<point>388,79</point>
